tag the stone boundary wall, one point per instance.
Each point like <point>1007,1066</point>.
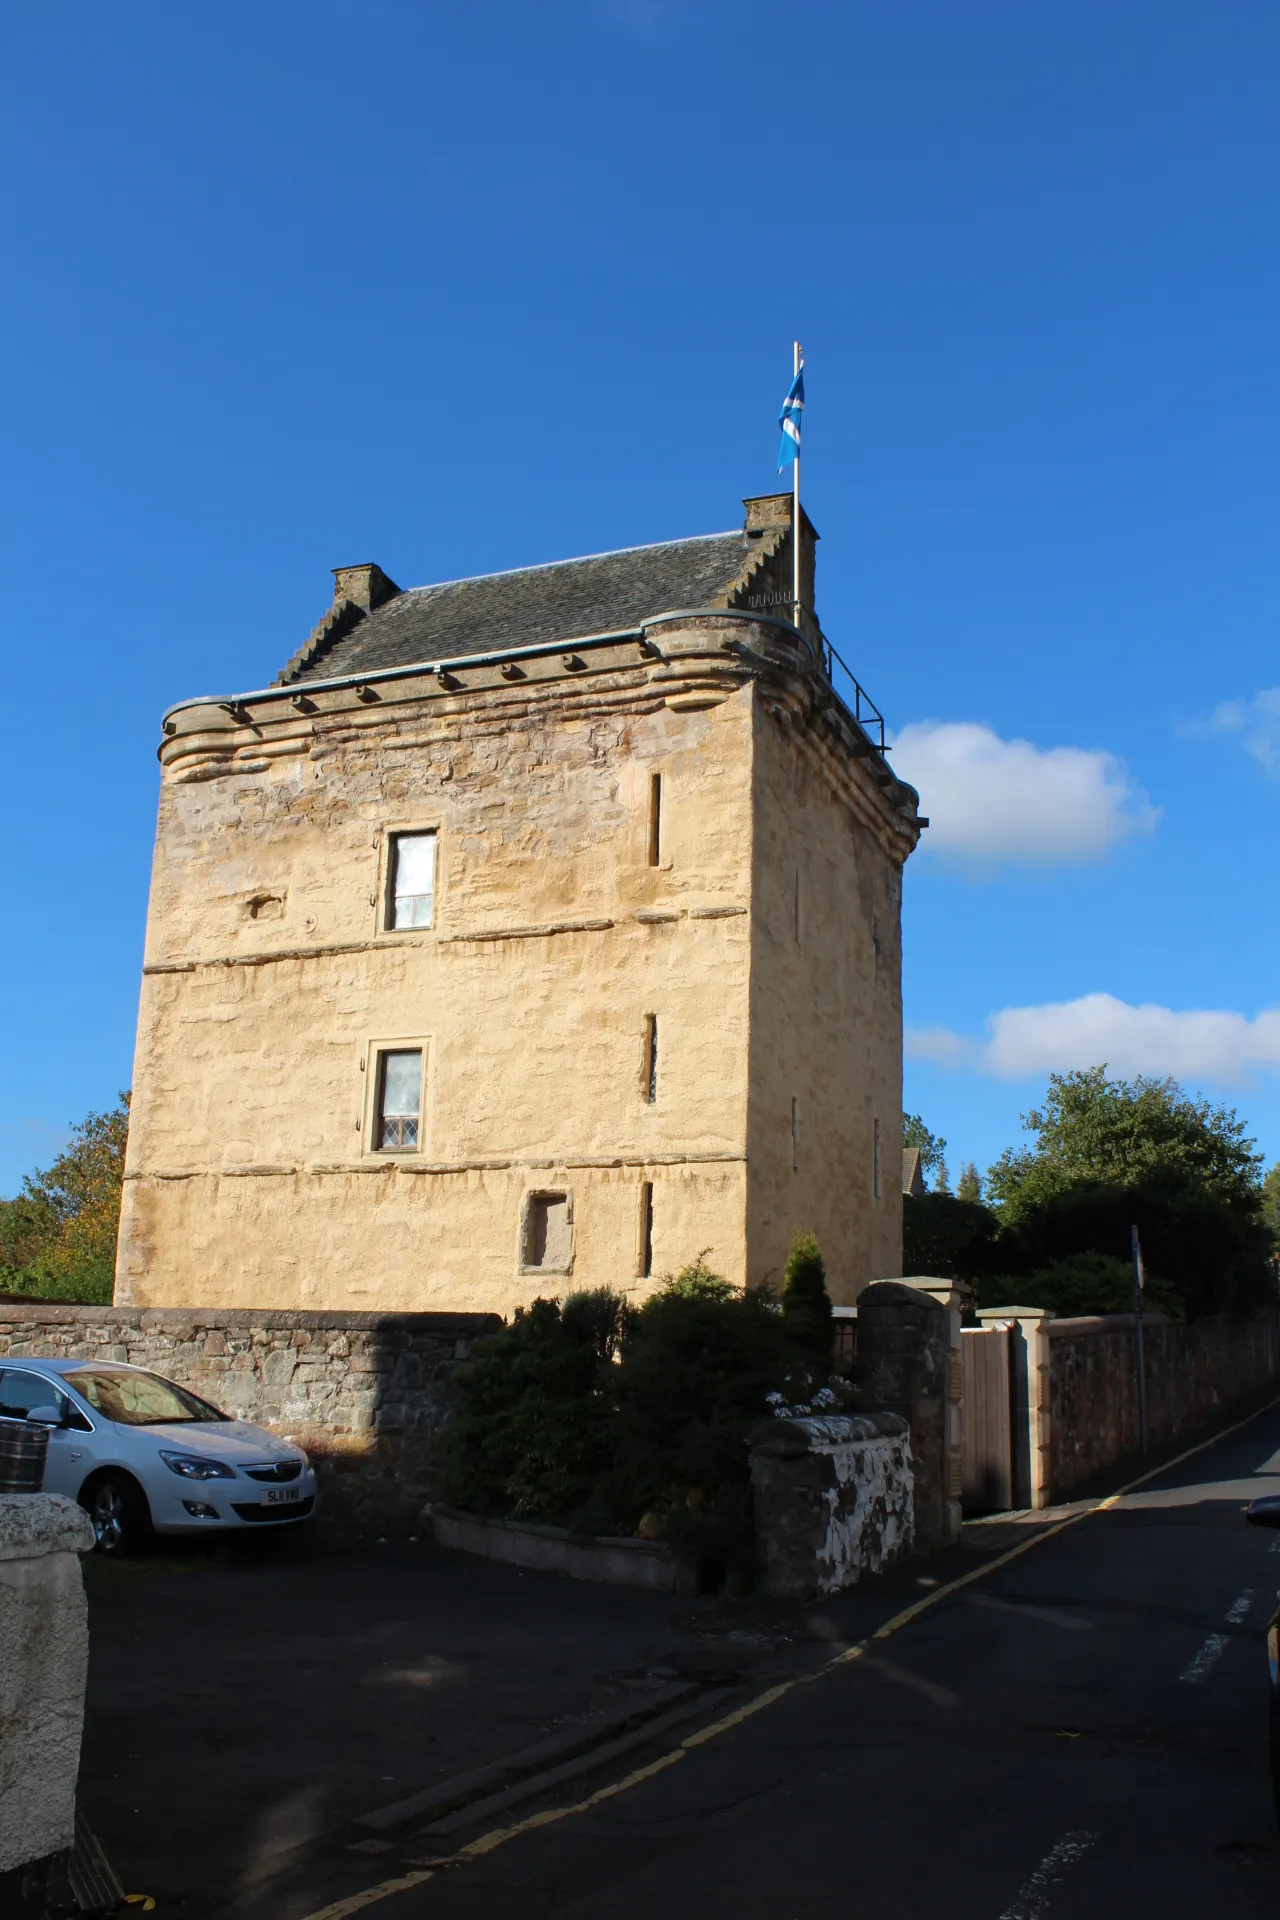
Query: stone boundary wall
<point>833,1500</point>
<point>367,1394</point>
<point>1193,1373</point>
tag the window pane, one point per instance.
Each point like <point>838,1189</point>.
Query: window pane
<point>401,1085</point>
<point>19,1392</point>
<point>414,879</point>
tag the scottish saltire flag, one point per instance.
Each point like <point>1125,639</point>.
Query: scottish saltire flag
<point>789,421</point>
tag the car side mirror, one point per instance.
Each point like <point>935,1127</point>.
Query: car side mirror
<point>1264,1511</point>
<point>50,1417</point>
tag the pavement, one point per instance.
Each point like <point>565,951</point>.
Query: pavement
<point>1066,1717</point>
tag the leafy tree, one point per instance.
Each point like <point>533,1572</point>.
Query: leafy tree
<point>1111,1154</point>
<point>947,1236</point>
<point>932,1149</point>
<point>969,1185</point>
<point>1271,1203</point>
<point>58,1236</point>
<point>806,1305</point>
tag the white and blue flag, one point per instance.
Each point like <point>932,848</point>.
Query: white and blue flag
<point>789,421</point>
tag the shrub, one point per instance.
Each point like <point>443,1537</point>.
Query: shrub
<point>534,1409</point>
<point>596,1415</point>
<point>806,1305</point>
<point>1082,1283</point>
<point>697,1366</point>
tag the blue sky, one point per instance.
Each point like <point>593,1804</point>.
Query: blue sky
<point>458,289</point>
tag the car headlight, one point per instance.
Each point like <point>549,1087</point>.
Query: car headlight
<point>1273,1652</point>
<point>193,1466</point>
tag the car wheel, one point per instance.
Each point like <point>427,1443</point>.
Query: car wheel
<point>118,1509</point>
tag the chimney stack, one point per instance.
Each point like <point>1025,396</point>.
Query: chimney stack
<point>368,586</point>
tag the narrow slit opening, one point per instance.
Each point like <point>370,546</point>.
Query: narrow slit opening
<point>646,1230</point>
<point>655,819</point>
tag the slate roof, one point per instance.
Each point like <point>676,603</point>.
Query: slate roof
<point>565,600</point>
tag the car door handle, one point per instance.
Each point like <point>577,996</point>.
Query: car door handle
<point>76,1452</point>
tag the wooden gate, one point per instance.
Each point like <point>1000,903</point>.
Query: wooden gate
<point>988,1432</point>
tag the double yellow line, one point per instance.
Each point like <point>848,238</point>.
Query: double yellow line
<point>499,1836</point>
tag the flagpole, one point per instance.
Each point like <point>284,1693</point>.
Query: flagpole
<point>795,509</point>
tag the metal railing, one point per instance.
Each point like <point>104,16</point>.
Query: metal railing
<point>862,707</point>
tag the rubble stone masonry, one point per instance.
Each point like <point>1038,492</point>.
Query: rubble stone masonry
<point>367,1394</point>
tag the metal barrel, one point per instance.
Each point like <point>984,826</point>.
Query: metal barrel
<point>23,1446</point>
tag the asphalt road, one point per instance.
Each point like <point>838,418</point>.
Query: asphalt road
<point>1080,1730</point>
<point>1079,1734</point>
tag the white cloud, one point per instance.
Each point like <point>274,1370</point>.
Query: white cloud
<point>991,800</point>
<point>1191,1045</point>
<point>1257,722</point>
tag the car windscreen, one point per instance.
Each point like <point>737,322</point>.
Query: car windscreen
<point>139,1399</point>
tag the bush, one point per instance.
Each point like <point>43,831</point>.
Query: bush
<point>535,1407</point>
<point>697,1368</point>
<point>1082,1283</point>
<point>595,1415</point>
<point>806,1304</point>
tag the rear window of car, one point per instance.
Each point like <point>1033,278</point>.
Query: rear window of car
<point>139,1399</point>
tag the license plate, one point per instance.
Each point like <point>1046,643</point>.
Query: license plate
<point>282,1496</point>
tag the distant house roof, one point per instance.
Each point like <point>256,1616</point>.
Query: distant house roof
<point>912,1175</point>
<point>530,606</point>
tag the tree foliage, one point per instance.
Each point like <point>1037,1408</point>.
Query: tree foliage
<point>58,1236</point>
<point>1271,1204</point>
<point>969,1185</point>
<point>1082,1283</point>
<point>932,1150</point>
<point>1112,1154</point>
<point>947,1236</point>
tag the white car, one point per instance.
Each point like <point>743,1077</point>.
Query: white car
<point>139,1453</point>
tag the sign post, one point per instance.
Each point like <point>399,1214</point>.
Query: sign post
<point>1139,1281</point>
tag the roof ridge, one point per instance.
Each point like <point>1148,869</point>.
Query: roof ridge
<point>575,560</point>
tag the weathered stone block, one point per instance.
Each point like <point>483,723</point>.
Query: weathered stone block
<point>833,1500</point>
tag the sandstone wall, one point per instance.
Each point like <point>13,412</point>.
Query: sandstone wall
<point>368,1395</point>
<point>826,1016</point>
<point>1193,1374</point>
<point>251,1176</point>
<point>271,981</point>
